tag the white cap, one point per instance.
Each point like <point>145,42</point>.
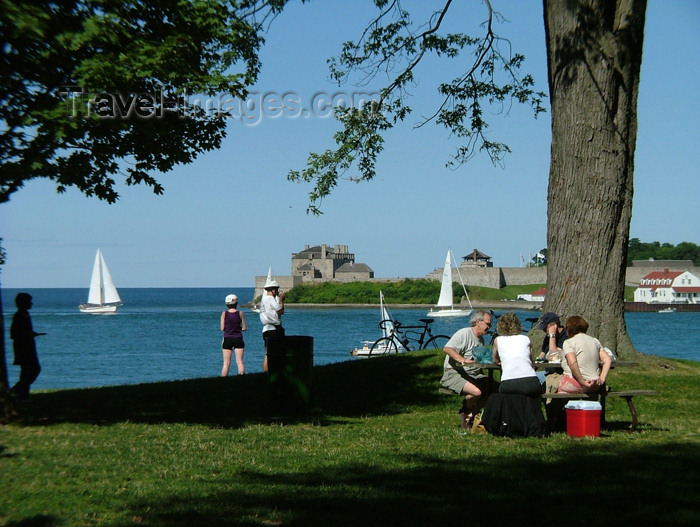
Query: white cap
<point>231,299</point>
<point>271,283</point>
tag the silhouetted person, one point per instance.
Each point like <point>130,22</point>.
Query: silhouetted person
<point>22,333</point>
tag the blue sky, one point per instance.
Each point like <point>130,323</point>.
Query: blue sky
<point>232,213</point>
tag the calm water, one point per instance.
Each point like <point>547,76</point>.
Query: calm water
<point>169,334</point>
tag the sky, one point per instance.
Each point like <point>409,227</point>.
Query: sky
<point>232,213</point>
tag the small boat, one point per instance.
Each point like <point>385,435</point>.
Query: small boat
<point>103,297</point>
<point>387,325</point>
<point>668,310</point>
<point>445,306</point>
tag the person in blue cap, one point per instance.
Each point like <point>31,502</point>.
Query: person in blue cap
<point>555,335</point>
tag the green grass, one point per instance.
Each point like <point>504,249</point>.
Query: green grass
<point>379,447</point>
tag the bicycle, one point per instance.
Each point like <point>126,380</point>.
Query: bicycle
<point>400,338</point>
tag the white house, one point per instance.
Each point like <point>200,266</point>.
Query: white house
<point>535,296</point>
<point>668,287</point>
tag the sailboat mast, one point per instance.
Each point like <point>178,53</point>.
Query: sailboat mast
<point>101,279</point>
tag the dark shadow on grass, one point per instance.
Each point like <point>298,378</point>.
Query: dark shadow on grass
<point>41,520</point>
<point>580,484</point>
<point>3,454</point>
<point>348,389</point>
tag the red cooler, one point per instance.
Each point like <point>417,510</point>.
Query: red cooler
<point>583,418</point>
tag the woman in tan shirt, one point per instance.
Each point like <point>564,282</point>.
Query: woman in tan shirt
<point>583,355</point>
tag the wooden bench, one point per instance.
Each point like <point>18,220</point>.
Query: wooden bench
<point>627,395</point>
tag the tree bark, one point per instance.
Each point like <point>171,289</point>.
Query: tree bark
<point>594,53</point>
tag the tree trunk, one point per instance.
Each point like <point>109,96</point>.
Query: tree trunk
<point>594,53</point>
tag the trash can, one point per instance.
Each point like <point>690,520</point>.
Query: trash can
<point>583,418</point>
<point>290,360</point>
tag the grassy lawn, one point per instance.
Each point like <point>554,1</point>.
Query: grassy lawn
<point>379,447</point>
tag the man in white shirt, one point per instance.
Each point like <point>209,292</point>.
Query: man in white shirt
<point>460,376</point>
<point>271,309</point>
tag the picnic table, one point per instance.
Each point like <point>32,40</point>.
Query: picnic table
<point>627,395</point>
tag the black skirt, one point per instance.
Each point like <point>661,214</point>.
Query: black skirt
<point>512,415</point>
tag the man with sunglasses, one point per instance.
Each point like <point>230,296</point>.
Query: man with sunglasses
<point>460,375</point>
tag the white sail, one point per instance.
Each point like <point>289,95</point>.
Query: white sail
<point>384,313</point>
<point>111,296</point>
<point>95,294</point>
<point>368,348</point>
<point>103,296</point>
<point>445,304</point>
<point>445,299</point>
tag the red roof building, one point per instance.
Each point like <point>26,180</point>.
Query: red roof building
<point>668,287</point>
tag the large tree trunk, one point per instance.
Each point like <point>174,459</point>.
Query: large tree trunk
<point>594,53</point>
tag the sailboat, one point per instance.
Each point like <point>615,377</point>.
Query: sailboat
<point>103,297</point>
<point>387,325</point>
<point>445,306</point>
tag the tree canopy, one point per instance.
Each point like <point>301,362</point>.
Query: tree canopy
<point>96,90</point>
<point>638,250</point>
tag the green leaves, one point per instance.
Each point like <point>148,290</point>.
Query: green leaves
<point>359,141</point>
<point>74,68</point>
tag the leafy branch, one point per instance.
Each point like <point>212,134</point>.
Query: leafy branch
<point>391,46</point>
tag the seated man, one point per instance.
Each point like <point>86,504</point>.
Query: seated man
<point>458,375</point>
<point>555,335</point>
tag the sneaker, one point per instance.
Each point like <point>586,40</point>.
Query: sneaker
<point>540,359</point>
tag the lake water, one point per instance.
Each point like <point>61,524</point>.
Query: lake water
<point>169,334</point>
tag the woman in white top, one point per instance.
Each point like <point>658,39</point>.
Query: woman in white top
<point>513,352</point>
<point>582,357</point>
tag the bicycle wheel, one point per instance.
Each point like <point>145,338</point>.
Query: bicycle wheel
<point>383,346</point>
<point>437,342</point>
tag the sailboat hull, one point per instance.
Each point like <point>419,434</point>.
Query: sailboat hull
<point>98,310</point>
<point>449,312</point>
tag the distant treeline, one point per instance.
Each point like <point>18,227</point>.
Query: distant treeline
<point>419,291</point>
<point>638,250</point>
<point>408,291</point>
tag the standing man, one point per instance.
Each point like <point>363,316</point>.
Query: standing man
<point>459,376</point>
<point>22,333</point>
<point>271,309</point>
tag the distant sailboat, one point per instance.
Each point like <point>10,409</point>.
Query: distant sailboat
<point>445,305</point>
<point>387,327</point>
<point>103,297</point>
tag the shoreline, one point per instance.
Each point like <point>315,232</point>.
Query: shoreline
<point>519,305</point>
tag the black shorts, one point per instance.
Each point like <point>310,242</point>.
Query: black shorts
<point>230,343</point>
<point>276,333</point>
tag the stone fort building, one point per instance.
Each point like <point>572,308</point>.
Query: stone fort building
<point>325,263</point>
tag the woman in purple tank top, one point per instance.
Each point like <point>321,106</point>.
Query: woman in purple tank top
<point>233,324</point>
